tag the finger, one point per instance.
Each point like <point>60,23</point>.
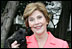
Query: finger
<point>14,43</point>
<point>17,46</point>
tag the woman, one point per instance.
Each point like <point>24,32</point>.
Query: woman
<point>36,17</point>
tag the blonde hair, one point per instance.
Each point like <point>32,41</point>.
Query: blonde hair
<point>31,7</point>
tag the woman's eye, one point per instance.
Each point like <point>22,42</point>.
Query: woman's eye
<point>39,17</point>
<point>31,19</point>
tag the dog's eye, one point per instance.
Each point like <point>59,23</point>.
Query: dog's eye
<point>23,40</point>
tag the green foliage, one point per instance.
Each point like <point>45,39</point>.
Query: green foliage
<point>69,45</point>
<point>2,46</point>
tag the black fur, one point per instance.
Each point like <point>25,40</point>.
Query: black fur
<point>20,37</point>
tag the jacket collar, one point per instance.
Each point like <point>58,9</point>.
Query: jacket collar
<point>50,41</point>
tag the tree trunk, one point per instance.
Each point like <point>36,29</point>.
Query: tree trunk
<point>63,23</point>
<point>6,19</point>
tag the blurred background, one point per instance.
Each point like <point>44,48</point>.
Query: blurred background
<point>59,25</point>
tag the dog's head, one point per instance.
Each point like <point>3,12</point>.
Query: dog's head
<point>20,37</point>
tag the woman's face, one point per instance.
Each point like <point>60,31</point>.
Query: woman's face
<point>37,22</point>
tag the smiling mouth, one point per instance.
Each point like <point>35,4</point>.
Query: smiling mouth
<point>38,27</point>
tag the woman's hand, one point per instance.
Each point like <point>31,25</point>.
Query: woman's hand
<point>15,45</point>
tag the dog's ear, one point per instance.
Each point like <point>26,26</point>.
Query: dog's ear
<point>29,31</point>
<point>19,36</point>
<point>22,31</point>
<point>9,41</point>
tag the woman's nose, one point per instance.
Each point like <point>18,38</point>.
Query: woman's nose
<point>36,21</point>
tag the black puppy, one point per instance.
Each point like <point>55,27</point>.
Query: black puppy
<point>20,37</point>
